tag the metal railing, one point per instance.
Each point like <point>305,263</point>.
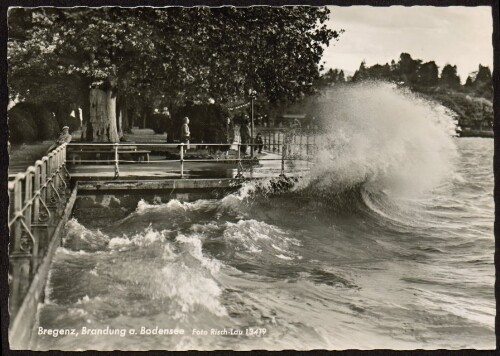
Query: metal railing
<point>38,196</point>
<point>286,148</point>
<point>35,196</point>
<point>275,139</point>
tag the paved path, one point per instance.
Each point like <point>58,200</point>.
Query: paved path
<point>25,155</point>
<point>268,165</point>
<point>22,156</point>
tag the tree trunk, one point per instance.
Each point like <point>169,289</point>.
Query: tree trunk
<point>103,116</point>
<point>78,116</point>
<point>121,108</point>
<point>135,118</point>
<point>126,124</point>
<point>120,124</point>
<point>111,105</point>
<point>86,125</point>
<point>124,114</point>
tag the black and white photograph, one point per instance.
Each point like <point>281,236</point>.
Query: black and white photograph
<point>241,178</point>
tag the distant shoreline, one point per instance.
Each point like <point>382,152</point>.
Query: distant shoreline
<point>476,133</point>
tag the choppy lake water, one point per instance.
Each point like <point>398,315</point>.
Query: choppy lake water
<point>387,243</point>
<point>411,273</point>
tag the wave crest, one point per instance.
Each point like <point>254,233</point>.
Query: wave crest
<point>384,138</point>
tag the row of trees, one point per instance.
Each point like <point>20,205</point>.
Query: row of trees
<point>419,75</point>
<point>332,76</point>
<point>114,62</point>
<point>471,102</point>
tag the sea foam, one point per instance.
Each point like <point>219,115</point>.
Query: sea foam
<point>382,137</point>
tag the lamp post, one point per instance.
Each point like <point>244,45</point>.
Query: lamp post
<point>253,95</point>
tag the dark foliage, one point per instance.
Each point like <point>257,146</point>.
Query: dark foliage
<point>472,102</point>
<point>22,127</point>
<point>158,58</point>
<point>47,127</point>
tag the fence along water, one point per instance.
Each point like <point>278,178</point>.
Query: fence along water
<point>283,147</point>
<point>37,198</point>
<point>40,202</point>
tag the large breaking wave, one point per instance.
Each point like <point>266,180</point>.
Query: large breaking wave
<point>354,265</point>
<point>383,138</point>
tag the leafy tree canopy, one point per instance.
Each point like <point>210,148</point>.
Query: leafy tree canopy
<point>428,74</point>
<point>449,76</point>
<point>159,55</point>
<point>425,76</point>
<point>471,102</point>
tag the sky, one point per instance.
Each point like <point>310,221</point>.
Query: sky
<point>456,35</point>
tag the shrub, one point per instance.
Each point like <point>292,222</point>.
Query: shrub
<point>22,127</point>
<point>158,123</point>
<point>47,125</point>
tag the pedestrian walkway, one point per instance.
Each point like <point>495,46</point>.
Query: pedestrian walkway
<point>25,155</point>
<point>267,164</point>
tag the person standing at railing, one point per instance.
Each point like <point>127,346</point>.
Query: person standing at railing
<point>229,137</point>
<point>245,136</point>
<point>229,131</point>
<point>295,126</point>
<point>259,142</point>
<point>185,134</point>
<point>64,137</point>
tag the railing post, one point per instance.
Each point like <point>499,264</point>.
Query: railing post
<point>28,194</point>
<point>117,169</point>
<point>28,214</point>
<point>55,168</point>
<point>36,189</point>
<point>62,171</point>
<point>290,144</point>
<point>17,201</point>
<point>279,140</point>
<point>240,170</point>
<point>182,159</point>
<point>40,218</point>
<point>50,178</point>
<point>48,193</point>
<point>54,184</point>
<point>19,259</point>
<point>64,153</point>
<point>57,179</point>
<point>43,179</point>
<point>56,174</point>
<point>283,151</point>
<point>307,145</point>
<point>300,146</point>
<point>274,141</point>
